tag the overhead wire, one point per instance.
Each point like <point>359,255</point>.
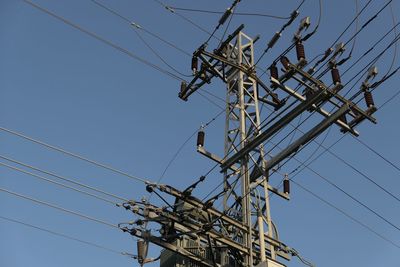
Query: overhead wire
<point>57,183</point>
<point>346,214</point>
<point>105,41</point>
<point>62,150</point>
<point>275,145</point>
<point>173,11</point>
<point>306,37</point>
<point>52,232</point>
<point>377,153</point>
<point>317,157</point>
<point>63,178</point>
<point>184,144</point>
<point>236,13</point>
<point>135,28</point>
<point>352,38</point>
<point>74,155</point>
<point>81,215</point>
<point>359,202</point>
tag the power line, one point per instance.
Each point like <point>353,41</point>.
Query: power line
<point>277,145</point>
<point>173,11</point>
<point>92,244</point>
<point>378,154</point>
<point>121,49</point>
<point>351,196</point>
<point>359,222</point>
<point>105,41</point>
<point>236,13</point>
<point>57,183</point>
<point>58,208</point>
<point>135,27</point>
<point>185,142</point>
<point>63,151</point>
<point>63,178</point>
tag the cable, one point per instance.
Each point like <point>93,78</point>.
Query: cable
<point>97,37</point>
<point>63,178</point>
<point>107,167</point>
<point>61,235</point>
<point>184,18</point>
<point>222,20</point>
<point>377,153</point>
<point>105,41</point>
<point>237,14</point>
<point>135,27</point>
<point>184,143</point>
<point>59,208</point>
<point>353,37</point>
<point>338,188</point>
<point>395,34</point>
<point>379,108</point>
<point>276,145</point>
<point>57,183</point>
<point>359,222</point>
<point>142,28</point>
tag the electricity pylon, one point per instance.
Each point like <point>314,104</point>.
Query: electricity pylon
<point>243,233</point>
<point>243,123</point>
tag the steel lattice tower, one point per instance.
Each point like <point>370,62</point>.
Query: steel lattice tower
<point>242,124</point>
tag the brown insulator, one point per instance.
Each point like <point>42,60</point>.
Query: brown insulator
<point>274,71</point>
<point>183,86</point>
<point>285,63</point>
<point>301,55</point>
<point>286,186</point>
<point>335,76</point>
<point>200,138</point>
<point>368,99</point>
<point>195,63</point>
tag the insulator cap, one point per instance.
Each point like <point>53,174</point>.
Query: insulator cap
<point>200,138</point>
<point>286,186</point>
<point>274,71</point>
<point>195,62</point>
<point>301,55</point>
<point>335,76</point>
<point>285,62</point>
<point>368,99</point>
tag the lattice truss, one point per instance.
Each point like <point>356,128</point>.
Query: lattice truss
<point>243,232</point>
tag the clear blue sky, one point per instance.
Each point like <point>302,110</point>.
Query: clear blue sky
<point>63,87</point>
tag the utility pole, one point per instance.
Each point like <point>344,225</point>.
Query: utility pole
<point>243,232</point>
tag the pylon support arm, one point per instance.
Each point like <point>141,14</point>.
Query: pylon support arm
<point>322,95</point>
<point>314,132</point>
<point>315,107</point>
